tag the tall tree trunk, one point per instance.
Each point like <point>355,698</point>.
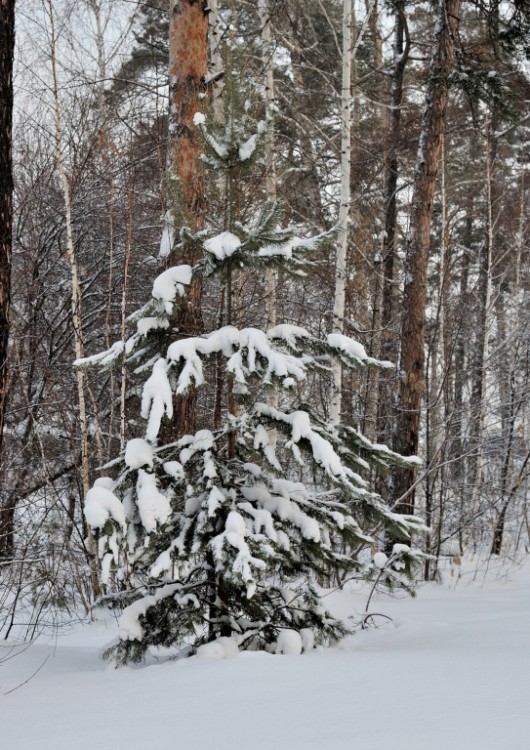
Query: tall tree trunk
<point>456,424</point>
<point>477,401</point>
<point>418,243</point>
<point>389,314</point>
<point>369,424</point>
<point>307,188</point>
<point>350,46</point>
<point>437,376</point>
<point>345,199</point>
<point>76,298</point>
<point>7,46</point>
<point>188,67</point>
<point>270,175</point>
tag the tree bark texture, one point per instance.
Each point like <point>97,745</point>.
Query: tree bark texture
<point>418,243</point>
<point>188,67</point>
<point>345,201</point>
<point>390,304</point>
<point>7,46</point>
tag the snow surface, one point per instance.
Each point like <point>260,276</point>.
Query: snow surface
<point>452,670</point>
<point>221,648</point>
<point>289,643</point>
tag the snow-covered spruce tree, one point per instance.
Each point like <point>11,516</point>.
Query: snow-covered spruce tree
<point>210,536</point>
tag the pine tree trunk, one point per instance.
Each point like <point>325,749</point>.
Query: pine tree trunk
<point>477,402</point>
<point>7,44</point>
<point>418,243</point>
<point>457,423</point>
<point>188,67</point>
<point>389,336</point>
<point>308,197</point>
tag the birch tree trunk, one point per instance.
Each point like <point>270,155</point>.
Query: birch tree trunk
<point>7,46</point>
<point>345,200</point>
<point>76,297</point>
<point>349,51</point>
<point>418,243</point>
<point>270,175</point>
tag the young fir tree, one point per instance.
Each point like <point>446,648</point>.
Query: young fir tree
<point>209,536</point>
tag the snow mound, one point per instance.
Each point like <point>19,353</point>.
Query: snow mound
<point>221,648</point>
<point>289,642</point>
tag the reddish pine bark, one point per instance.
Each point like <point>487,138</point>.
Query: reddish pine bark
<point>188,66</point>
<point>418,244</point>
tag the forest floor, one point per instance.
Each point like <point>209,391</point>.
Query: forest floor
<point>450,670</point>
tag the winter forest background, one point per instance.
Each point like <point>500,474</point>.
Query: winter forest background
<point>363,196</point>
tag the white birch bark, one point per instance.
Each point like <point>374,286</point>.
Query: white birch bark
<point>270,171</point>
<point>349,50</point>
<point>345,200</point>
<point>216,60</point>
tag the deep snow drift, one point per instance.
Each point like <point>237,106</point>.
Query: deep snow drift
<point>452,670</point>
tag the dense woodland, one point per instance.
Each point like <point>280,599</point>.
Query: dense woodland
<point>360,171</point>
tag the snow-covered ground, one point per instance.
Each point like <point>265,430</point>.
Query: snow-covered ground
<point>450,672</point>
